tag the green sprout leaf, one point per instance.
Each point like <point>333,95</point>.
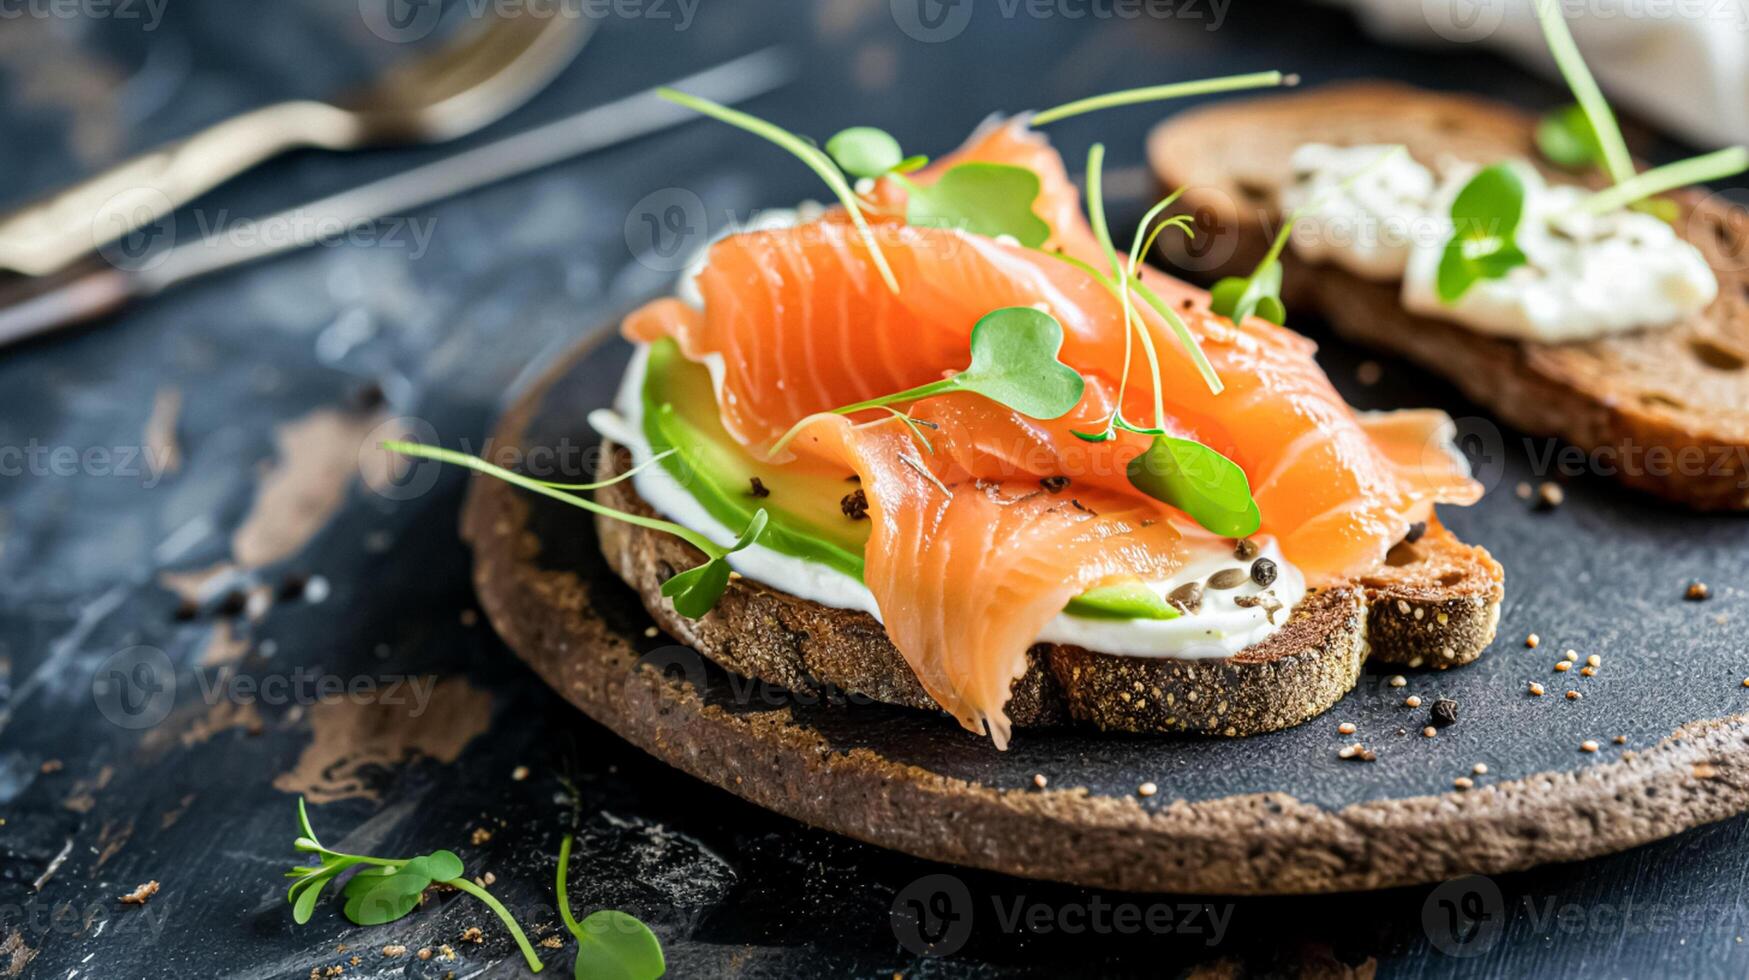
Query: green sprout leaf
<point>696,590</point>
<point>807,152</point>
<point>1567,140</point>
<point>864,151</point>
<point>1157,93</point>
<point>389,888</point>
<point>1202,483</point>
<point>1258,294</point>
<point>988,199</point>
<point>1612,150</point>
<point>711,578</point>
<point>1014,363</point>
<point>1484,219</point>
<point>612,945</point>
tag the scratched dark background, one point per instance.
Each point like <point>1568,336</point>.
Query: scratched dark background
<point>261,386</point>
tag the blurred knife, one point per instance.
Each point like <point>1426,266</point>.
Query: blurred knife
<point>109,281</point>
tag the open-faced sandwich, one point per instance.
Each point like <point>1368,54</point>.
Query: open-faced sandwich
<point>945,445</point>
<point>1572,303</point>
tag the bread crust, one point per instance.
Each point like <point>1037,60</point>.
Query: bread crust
<point>1435,607</point>
<point>1664,410</point>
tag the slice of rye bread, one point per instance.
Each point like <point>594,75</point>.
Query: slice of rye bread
<point>1684,388</point>
<point>1434,603</point>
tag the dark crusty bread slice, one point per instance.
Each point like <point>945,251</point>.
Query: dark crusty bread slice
<point>1684,388</point>
<point>1434,603</point>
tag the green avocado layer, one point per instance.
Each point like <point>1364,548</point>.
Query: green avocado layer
<point>805,506</point>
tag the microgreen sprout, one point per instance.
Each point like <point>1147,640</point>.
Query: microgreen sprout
<point>1260,293</point>
<point>610,944</point>
<point>807,152</point>
<point>989,199</point>
<point>864,151</point>
<point>1157,93</point>
<point>1605,134</point>
<point>1014,363</point>
<point>1199,481</point>
<point>694,591</point>
<point>1710,166</point>
<point>387,889</point>
<point>1566,139</point>
<point>1485,216</point>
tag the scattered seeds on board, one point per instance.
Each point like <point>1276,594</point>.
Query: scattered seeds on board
<point>1463,782</point>
<point>1228,578</point>
<point>519,774</point>
<point>1346,728</point>
<point>1480,768</point>
<point>1588,746</point>
<point>1357,752</point>
<point>1697,591</point>
<point>1574,695</point>
<point>1147,789</point>
<point>1563,666</point>
<point>1594,661</point>
<point>1429,731</point>
<point>1570,656</point>
<point>1588,672</point>
<point>1412,701</point>
<point>1039,780</point>
<point>1549,496</point>
<point>1620,740</point>
<point>1398,680</point>
<point>1524,491</point>
<point>1532,641</point>
<point>1537,689</point>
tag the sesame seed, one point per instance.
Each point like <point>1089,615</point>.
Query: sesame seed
<point>1532,641</point>
<point>1594,661</point>
<point>1413,700</point>
<point>1398,680</point>
<point>1346,728</point>
<point>1523,490</point>
<point>1537,689</point>
<point>1570,655</point>
<point>1463,782</point>
<point>1697,590</point>
<point>1746,682</point>
<point>1549,496</point>
<point>1573,695</point>
<point>1348,751</point>
<point>1039,780</point>
<point>1147,789</point>
<point>1588,746</point>
<point>1562,667</point>
<point>1430,731</point>
<point>1620,740</point>
<point>1587,671</point>
<point>1480,768</point>
<point>519,773</point>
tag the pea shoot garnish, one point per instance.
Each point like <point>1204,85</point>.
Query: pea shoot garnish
<point>387,889</point>
<point>1158,93</point>
<point>1199,481</point>
<point>808,153</point>
<point>1259,294</point>
<point>1486,212</point>
<point>989,199</point>
<point>694,591</point>
<point>867,152</point>
<point>610,944</point>
<point>1014,363</point>
<point>1483,245</point>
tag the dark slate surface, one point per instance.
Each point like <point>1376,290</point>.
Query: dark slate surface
<point>268,365</point>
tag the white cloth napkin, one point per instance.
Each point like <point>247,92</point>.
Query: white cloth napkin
<point>1681,64</point>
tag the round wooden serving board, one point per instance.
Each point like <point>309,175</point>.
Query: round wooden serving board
<point>1278,813</point>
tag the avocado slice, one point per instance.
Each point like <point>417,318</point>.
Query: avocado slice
<point>804,503</point>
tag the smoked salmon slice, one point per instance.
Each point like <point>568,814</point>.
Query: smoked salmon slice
<point>968,557</point>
